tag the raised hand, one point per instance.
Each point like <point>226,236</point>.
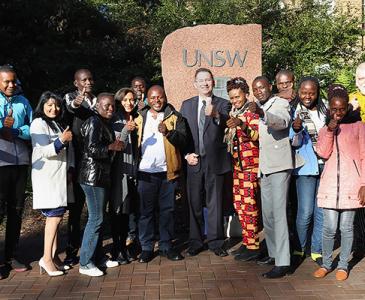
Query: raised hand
<point>66,135</point>
<point>255,109</point>
<point>210,110</point>
<point>297,124</point>
<point>288,94</point>
<point>117,145</point>
<point>131,125</point>
<point>234,122</point>
<point>162,128</point>
<point>9,120</point>
<point>80,98</point>
<point>332,125</point>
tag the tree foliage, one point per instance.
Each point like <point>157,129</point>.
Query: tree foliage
<point>118,39</point>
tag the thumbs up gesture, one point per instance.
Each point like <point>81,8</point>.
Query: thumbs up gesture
<point>297,124</point>
<point>255,109</point>
<point>131,125</point>
<point>162,128</point>
<point>9,120</point>
<point>66,135</point>
<point>79,98</point>
<point>332,125</point>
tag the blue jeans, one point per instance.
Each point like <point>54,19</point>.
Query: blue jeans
<point>307,187</point>
<point>330,223</point>
<point>155,191</point>
<point>95,206</point>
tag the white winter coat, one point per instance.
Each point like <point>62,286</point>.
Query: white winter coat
<point>49,169</point>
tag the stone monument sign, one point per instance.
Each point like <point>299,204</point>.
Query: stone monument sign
<point>227,50</point>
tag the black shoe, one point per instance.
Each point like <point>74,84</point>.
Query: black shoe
<point>277,272</point>
<point>242,249</point>
<point>71,256</point>
<point>194,251</point>
<point>16,265</point>
<point>219,252</point>
<point>358,254</point>
<point>133,250</point>
<point>267,260</point>
<point>171,254</point>
<point>122,258</point>
<point>248,255</point>
<point>146,256</point>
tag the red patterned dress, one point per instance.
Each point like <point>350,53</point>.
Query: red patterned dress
<point>245,157</point>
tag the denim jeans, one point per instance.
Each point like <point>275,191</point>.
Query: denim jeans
<point>330,223</point>
<point>308,209</point>
<point>95,206</point>
<point>155,191</point>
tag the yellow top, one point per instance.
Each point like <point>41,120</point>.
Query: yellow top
<point>361,100</point>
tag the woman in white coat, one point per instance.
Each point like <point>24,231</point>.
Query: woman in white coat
<point>50,165</point>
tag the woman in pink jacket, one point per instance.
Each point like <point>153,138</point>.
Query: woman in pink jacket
<point>342,186</point>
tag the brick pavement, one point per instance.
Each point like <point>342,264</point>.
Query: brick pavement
<point>203,277</point>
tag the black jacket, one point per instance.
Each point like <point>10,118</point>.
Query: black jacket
<point>97,134</point>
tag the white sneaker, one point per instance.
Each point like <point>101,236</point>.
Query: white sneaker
<point>108,263</point>
<point>90,270</point>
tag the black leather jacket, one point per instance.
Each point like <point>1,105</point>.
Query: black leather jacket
<point>97,134</point>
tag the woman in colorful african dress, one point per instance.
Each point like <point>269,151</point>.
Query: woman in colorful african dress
<point>242,140</point>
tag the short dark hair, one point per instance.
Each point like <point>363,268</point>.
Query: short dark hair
<point>102,95</point>
<point>7,69</point>
<point>284,72</point>
<point>156,86</point>
<point>238,83</point>
<point>206,70</point>
<point>83,70</point>
<point>138,78</point>
<point>264,78</point>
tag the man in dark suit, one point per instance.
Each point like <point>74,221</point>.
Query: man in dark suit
<point>207,163</point>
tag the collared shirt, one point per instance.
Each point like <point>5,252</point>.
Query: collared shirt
<point>152,146</point>
<point>200,104</point>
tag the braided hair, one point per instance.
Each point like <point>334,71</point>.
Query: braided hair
<point>321,107</point>
<point>337,91</point>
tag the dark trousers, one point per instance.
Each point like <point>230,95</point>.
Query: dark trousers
<point>13,180</point>
<point>155,191</point>
<point>209,184</point>
<point>119,229</point>
<point>74,218</point>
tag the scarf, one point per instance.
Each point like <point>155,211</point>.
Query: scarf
<point>230,133</point>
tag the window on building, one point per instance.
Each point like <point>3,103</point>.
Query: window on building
<point>220,88</point>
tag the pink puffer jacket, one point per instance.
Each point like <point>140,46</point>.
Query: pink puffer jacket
<point>344,171</point>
